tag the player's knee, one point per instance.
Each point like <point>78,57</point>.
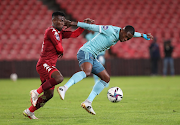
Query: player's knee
<point>88,73</point>
<point>59,79</point>
<point>107,79</point>
<point>57,76</point>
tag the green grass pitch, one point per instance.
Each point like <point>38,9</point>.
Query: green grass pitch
<point>146,101</point>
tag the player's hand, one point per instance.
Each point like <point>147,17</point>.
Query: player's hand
<point>67,23</point>
<point>60,55</point>
<point>88,20</point>
<point>150,36</point>
<point>147,36</point>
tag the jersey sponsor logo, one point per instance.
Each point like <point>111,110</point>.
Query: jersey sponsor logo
<point>57,37</point>
<point>56,34</point>
<point>105,27</point>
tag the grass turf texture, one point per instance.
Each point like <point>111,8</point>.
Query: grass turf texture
<point>146,101</point>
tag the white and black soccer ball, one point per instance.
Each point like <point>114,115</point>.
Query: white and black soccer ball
<point>115,94</point>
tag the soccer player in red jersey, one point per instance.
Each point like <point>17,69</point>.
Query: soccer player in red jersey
<point>46,67</point>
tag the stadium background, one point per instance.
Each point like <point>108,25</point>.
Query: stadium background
<point>23,23</point>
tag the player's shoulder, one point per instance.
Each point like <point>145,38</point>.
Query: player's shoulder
<point>116,29</point>
<point>111,28</point>
<point>107,27</point>
<point>51,30</point>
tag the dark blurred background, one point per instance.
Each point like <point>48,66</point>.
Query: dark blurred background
<point>23,23</point>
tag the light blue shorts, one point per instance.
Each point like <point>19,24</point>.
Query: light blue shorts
<point>83,56</point>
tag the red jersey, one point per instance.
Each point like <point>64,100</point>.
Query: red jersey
<point>52,44</point>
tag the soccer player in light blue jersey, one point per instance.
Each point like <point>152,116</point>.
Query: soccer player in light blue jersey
<point>107,36</point>
<point>101,56</point>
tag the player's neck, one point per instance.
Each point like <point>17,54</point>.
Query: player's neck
<point>56,28</point>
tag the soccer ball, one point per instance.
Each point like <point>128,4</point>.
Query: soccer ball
<point>115,94</point>
<point>13,77</point>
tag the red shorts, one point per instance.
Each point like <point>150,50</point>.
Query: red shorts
<point>45,70</point>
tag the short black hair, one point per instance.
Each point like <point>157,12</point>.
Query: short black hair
<point>130,29</point>
<point>57,13</point>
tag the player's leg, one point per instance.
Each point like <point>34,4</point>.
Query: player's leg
<point>171,61</point>
<point>56,78</point>
<point>165,65</point>
<point>98,87</point>
<point>101,59</point>
<point>96,78</point>
<point>47,95</point>
<point>52,76</point>
<point>85,62</point>
<point>156,66</point>
<point>29,114</point>
<point>86,71</point>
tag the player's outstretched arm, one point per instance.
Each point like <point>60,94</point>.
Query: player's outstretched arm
<point>77,32</point>
<point>87,24</point>
<point>145,36</point>
<point>88,20</point>
<point>69,23</point>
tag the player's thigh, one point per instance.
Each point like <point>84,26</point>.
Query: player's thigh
<point>97,67</point>
<point>86,67</point>
<point>85,61</point>
<point>100,71</point>
<point>45,71</point>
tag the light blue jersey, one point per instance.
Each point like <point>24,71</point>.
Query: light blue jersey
<point>107,36</point>
<point>90,36</point>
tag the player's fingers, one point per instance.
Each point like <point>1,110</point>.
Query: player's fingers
<point>88,20</point>
<point>92,21</point>
<point>150,36</point>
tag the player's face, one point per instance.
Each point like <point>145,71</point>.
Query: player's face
<point>58,22</point>
<point>125,36</point>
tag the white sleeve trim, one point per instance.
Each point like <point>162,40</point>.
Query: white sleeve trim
<point>100,28</point>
